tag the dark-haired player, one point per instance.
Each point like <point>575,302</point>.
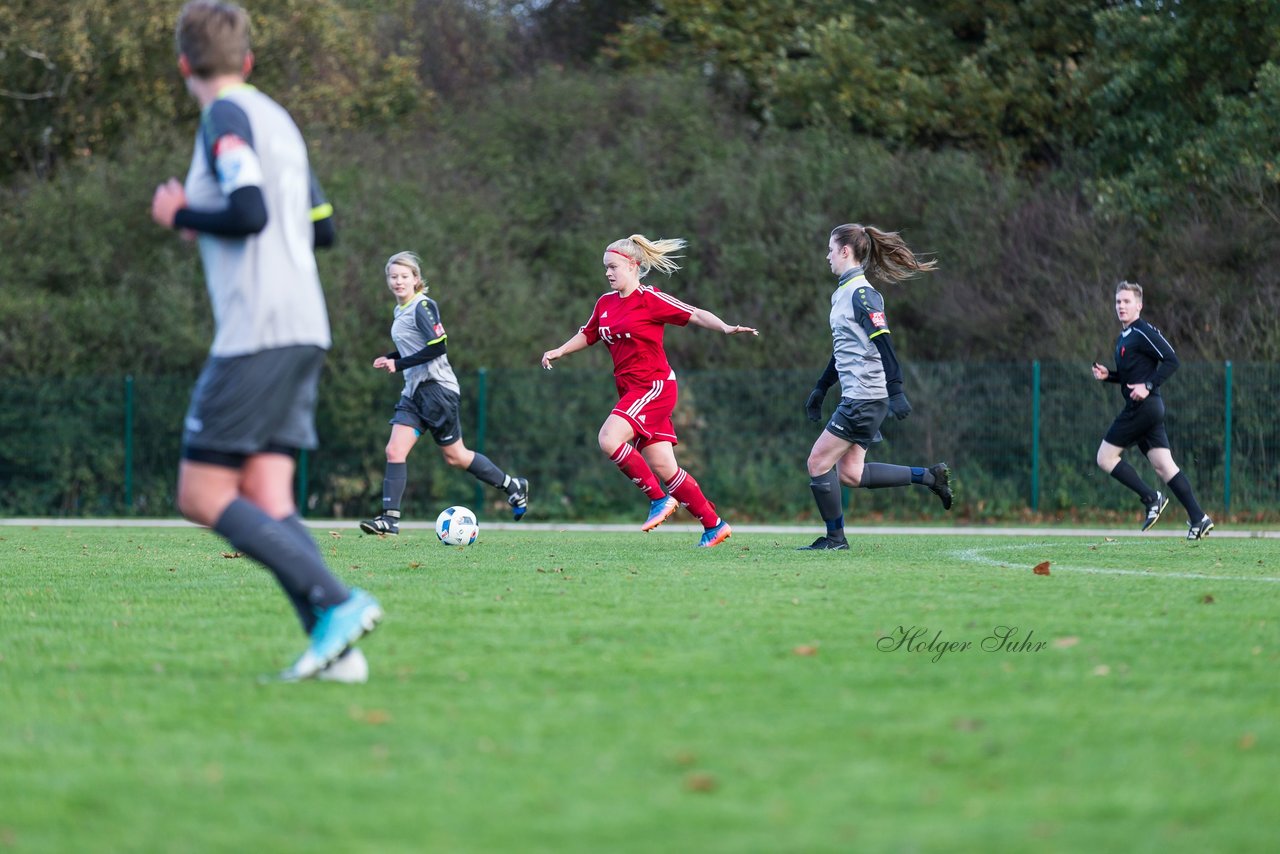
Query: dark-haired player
<point>864,364</point>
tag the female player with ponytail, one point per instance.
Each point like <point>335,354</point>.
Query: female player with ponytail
<point>638,435</point>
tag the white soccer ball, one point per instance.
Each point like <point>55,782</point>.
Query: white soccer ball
<point>457,526</point>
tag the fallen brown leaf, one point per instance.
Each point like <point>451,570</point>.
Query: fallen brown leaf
<point>805,649</point>
<point>1041,568</point>
<point>701,781</point>
<point>377,717</point>
<point>1207,599</point>
<point>232,555</point>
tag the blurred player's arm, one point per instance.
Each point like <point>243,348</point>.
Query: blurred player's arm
<point>231,153</point>
<point>244,215</point>
<point>323,228</point>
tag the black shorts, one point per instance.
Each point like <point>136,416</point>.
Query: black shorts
<point>258,403</point>
<point>858,421</point>
<point>1141,425</point>
<point>432,409</point>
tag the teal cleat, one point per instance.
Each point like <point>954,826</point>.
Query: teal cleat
<point>338,628</point>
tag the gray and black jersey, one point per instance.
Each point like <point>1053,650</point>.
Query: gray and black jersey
<point>857,316</point>
<point>265,288</point>
<point>416,327</point>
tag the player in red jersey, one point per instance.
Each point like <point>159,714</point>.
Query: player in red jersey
<point>629,319</point>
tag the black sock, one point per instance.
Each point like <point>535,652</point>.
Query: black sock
<point>306,614</point>
<point>393,486</point>
<point>884,475</point>
<point>299,570</point>
<point>1124,473</point>
<point>1181,487</point>
<point>483,469</point>
<point>826,491</point>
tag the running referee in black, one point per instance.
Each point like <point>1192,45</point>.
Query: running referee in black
<point>1144,360</point>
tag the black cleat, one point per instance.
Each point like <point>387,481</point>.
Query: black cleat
<point>941,485</point>
<point>1200,530</point>
<point>1155,508</point>
<point>380,525</point>
<point>826,544</point>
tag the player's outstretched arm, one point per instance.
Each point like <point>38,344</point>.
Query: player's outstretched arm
<point>573,345</point>
<point>707,320</point>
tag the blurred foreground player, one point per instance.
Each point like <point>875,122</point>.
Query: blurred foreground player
<point>252,202</point>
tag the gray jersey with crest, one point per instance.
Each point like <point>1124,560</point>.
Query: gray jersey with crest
<point>857,316</point>
<point>416,325</point>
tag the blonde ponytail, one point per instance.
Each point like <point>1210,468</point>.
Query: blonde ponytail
<point>649,254</point>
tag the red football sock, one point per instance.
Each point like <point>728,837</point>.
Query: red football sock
<point>686,490</point>
<point>634,467</point>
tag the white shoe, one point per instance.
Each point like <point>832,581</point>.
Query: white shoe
<point>352,668</point>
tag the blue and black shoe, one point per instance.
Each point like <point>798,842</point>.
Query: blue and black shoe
<point>519,498</point>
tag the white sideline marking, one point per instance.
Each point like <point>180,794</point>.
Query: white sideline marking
<point>979,556</point>
<point>681,528</point>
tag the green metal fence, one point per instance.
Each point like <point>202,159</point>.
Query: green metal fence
<point>1021,438</point>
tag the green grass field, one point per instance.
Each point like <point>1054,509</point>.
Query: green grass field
<point>621,692</point>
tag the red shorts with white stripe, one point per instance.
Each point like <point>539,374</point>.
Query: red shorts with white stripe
<point>647,407</point>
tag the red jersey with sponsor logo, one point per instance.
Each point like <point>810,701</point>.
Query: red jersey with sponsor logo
<point>632,330</point>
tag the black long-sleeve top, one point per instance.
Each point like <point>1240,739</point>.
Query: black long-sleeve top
<point>1143,355</point>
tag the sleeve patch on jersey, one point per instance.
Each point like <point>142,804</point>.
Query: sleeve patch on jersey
<point>227,143</point>
<point>878,320</point>
<point>438,329</point>
<point>236,163</point>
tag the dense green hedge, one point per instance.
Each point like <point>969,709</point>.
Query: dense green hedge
<point>512,232</point>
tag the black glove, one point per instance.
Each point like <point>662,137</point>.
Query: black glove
<point>813,406</point>
<point>899,405</point>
